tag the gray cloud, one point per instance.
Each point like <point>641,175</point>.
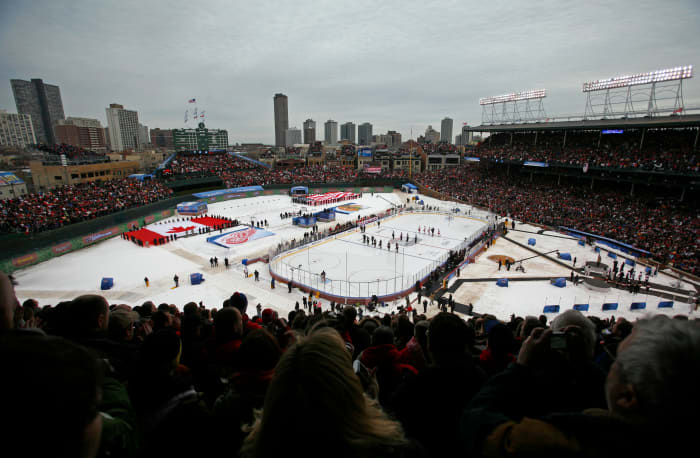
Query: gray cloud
<point>397,64</point>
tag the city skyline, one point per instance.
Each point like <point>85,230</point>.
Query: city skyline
<point>439,70</point>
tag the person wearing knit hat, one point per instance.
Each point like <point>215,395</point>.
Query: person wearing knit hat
<point>240,301</point>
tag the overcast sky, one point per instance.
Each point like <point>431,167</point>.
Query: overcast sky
<point>400,65</point>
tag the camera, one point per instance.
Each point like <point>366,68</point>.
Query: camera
<point>558,341</point>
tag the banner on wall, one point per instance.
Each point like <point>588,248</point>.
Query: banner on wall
<point>62,248</point>
<point>97,236</point>
<point>25,260</point>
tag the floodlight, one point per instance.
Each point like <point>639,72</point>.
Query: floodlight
<point>514,97</point>
<point>668,74</point>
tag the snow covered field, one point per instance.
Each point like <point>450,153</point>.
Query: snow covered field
<point>65,277</point>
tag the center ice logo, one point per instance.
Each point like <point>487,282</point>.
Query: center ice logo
<point>239,237</point>
<point>176,229</point>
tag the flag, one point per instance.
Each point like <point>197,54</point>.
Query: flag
<point>191,101</point>
<point>201,115</point>
<point>678,110</point>
<point>195,113</point>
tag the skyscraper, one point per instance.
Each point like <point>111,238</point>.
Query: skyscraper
<point>281,119</point>
<point>446,130</point>
<point>123,127</point>
<point>347,131</point>
<point>42,102</point>
<point>292,136</point>
<point>432,135</point>
<point>16,129</point>
<point>309,131</point>
<point>364,134</point>
<point>331,128</point>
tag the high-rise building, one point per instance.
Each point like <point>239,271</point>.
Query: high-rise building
<point>467,135</point>
<point>123,127</point>
<point>281,119</point>
<point>144,138</point>
<point>395,138</point>
<point>16,129</point>
<point>432,135</point>
<point>309,131</point>
<point>43,103</point>
<point>292,136</point>
<point>347,131</point>
<point>86,133</point>
<point>331,129</point>
<point>364,134</point>
<point>162,138</point>
<point>446,130</point>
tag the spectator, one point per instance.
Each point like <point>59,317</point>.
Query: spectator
<point>314,387</point>
<point>259,354</point>
<point>61,382</point>
<point>430,405</point>
<point>384,357</point>
<point>650,392</point>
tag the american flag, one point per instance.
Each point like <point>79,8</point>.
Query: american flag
<point>191,101</point>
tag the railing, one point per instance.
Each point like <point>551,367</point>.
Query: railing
<point>396,286</point>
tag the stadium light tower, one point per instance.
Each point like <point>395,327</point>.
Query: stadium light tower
<point>509,108</point>
<point>617,96</point>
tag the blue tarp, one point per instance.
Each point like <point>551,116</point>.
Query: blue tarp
<point>581,307</point>
<point>612,255</point>
<point>192,208</point>
<point>610,306</point>
<point>325,216</point>
<point>409,186</point>
<point>559,282</point>
<point>638,305</point>
<point>648,270</point>
<point>551,309</point>
<point>502,282</point>
<point>531,242</point>
<point>597,249</point>
<point>107,283</point>
<point>565,256</point>
<point>221,192</point>
<point>140,176</point>
<point>582,243</point>
<point>296,190</point>
<point>196,278</point>
<point>303,221</point>
<point>666,304</point>
<point>607,241</point>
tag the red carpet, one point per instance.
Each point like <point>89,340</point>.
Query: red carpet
<point>144,235</point>
<point>209,221</point>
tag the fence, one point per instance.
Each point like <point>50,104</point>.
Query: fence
<point>355,291</point>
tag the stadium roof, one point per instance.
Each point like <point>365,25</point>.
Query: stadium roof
<point>594,124</point>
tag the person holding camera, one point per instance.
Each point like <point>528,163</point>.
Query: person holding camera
<point>650,393</point>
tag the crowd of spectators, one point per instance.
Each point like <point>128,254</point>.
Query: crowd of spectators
<point>109,380</point>
<point>236,172</point>
<point>663,150</point>
<point>665,229</point>
<point>74,203</point>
